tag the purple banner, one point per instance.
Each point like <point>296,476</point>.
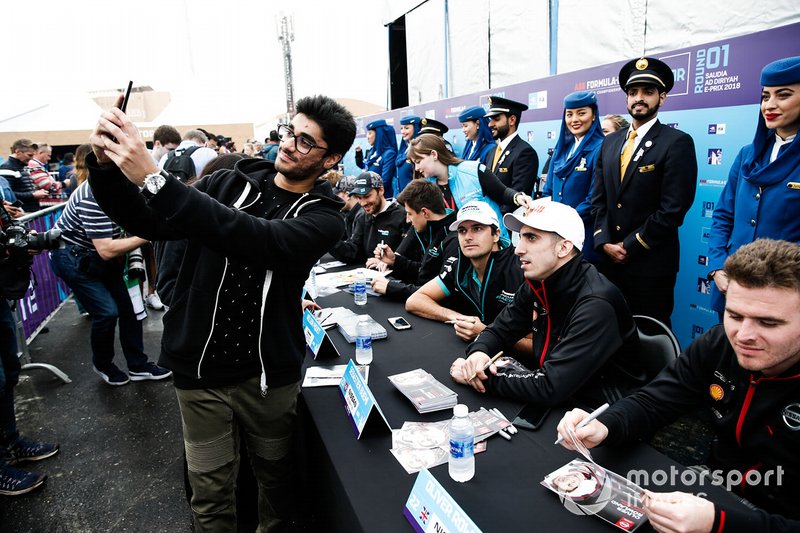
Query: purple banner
<point>47,291</point>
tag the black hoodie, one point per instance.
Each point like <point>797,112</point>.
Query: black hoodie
<point>212,215</point>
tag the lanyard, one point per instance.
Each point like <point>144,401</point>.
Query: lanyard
<point>542,297</point>
<point>451,204</point>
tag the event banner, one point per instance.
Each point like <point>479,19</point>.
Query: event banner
<point>715,100</point>
<point>431,509</point>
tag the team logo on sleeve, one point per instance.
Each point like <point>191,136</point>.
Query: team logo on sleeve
<point>717,392</point>
<point>791,416</point>
<point>505,297</point>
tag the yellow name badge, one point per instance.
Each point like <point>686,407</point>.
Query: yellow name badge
<point>502,170</point>
<point>793,185</point>
<point>647,168</point>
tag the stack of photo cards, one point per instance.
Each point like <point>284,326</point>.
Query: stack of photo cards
<point>330,316</point>
<point>586,488</point>
<point>419,445</point>
<point>425,391</point>
<point>347,327</point>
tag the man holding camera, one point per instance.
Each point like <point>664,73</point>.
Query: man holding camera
<point>90,264</point>
<point>14,448</point>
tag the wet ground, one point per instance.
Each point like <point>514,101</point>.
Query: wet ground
<point>120,466</point>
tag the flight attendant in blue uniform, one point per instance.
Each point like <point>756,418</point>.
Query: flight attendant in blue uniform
<point>762,196</point>
<point>570,176</point>
<point>475,126</point>
<point>409,128</point>
<point>381,158</point>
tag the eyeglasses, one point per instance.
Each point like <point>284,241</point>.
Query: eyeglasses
<point>301,143</point>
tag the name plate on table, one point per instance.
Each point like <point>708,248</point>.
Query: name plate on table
<point>431,509</point>
<point>316,339</point>
<point>362,409</point>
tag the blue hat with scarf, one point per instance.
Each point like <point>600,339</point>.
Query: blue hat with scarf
<point>472,113</point>
<point>562,160</point>
<point>484,139</point>
<point>580,99</point>
<point>784,71</point>
<point>756,168</point>
<point>375,124</point>
<point>403,147</point>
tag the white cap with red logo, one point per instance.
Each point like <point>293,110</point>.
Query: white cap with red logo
<point>547,215</point>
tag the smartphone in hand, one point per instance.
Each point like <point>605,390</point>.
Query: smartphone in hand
<point>127,96</point>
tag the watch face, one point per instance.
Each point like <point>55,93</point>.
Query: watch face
<point>154,182</point>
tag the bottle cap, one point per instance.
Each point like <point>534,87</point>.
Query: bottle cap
<point>460,410</point>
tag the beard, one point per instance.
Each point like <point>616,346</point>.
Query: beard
<point>299,171</point>
<point>500,132</point>
<point>647,114</point>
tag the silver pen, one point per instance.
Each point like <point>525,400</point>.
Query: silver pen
<point>597,412</point>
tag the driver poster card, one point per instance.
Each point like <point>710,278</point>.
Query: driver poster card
<point>586,488</point>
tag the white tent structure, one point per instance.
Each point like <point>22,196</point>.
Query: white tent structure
<point>456,47</point>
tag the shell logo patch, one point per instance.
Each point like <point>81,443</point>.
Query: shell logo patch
<point>716,392</point>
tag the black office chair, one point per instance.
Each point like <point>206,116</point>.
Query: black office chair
<point>657,344</point>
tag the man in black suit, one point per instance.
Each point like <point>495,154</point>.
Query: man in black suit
<point>644,184</point>
<point>514,161</point>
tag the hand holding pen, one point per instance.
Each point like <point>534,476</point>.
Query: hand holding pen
<point>590,431</point>
<point>473,371</point>
<point>467,327</point>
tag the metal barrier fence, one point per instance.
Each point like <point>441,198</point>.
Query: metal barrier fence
<point>46,293</point>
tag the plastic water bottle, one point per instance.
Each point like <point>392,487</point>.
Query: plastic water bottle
<point>312,283</point>
<point>360,288</point>
<point>363,342</point>
<point>461,465</point>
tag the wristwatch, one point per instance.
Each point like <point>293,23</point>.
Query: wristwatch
<point>153,183</point>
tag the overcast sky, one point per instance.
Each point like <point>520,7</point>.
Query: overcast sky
<point>227,51</point>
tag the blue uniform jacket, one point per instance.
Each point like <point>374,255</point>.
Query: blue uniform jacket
<point>405,170</point>
<point>383,165</point>
<point>574,188</point>
<point>751,209</point>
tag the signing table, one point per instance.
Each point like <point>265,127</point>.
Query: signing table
<point>357,485</point>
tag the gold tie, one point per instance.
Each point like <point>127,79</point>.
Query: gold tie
<point>627,152</point>
<point>496,157</point>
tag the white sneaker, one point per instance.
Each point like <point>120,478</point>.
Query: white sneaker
<point>154,302</point>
